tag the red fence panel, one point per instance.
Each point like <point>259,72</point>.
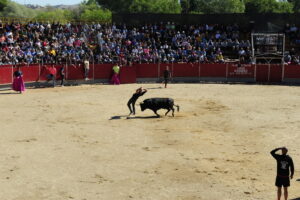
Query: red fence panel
<point>128,74</point>
<point>44,71</point>
<point>30,73</point>
<point>262,73</point>
<point>146,70</point>
<point>276,73</point>
<point>75,72</point>
<point>213,70</point>
<point>6,75</point>
<point>186,70</point>
<point>292,71</point>
<point>244,71</point>
<point>103,71</point>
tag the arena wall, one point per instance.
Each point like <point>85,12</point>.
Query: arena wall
<point>187,72</point>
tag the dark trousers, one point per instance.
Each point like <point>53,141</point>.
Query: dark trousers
<point>62,79</point>
<point>131,106</point>
<point>52,78</point>
<point>166,80</point>
<point>86,72</point>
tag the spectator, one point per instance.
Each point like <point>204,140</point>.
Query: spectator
<point>115,78</point>
<point>18,82</point>
<point>86,64</point>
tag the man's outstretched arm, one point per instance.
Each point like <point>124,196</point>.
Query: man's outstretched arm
<point>273,152</point>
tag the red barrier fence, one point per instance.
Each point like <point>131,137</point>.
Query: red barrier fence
<point>213,70</point>
<point>6,75</point>
<point>292,71</point>
<point>245,71</point>
<point>129,74</point>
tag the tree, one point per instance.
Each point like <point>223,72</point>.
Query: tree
<point>13,9</point>
<point>268,6</point>
<point>212,6</point>
<point>116,5</point>
<point>3,4</point>
<point>155,6</point>
<point>138,6</point>
<point>191,6</point>
<point>296,5</point>
<point>51,15</point>
<point>223,6</point>
<point>91,11</point>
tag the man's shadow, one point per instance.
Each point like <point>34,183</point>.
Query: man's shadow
<point>154,88</point>
<point>118,117</point>
<point>296,198</point>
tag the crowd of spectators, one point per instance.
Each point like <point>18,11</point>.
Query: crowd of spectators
<point>293,34</point>
<point>101,43</point>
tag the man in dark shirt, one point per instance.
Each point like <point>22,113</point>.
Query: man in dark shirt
<point>139,92</point>
<point>167,75</point>
<point>284,166</point>
<point>62,75</point>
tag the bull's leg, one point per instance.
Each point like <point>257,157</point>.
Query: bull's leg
<point>155,111</point>
<point>167,112</point>
<point>173,111</point>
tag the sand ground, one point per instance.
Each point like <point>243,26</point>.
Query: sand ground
<point>76,143</point>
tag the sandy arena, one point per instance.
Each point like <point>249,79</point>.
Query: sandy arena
<point>76,143</point>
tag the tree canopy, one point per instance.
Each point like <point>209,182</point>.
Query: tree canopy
<point>138,6</point>
<point>3,3</point>
<point>268,6</point>
<point>101,10</point>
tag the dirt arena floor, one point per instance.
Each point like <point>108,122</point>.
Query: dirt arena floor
<point>76,143</point>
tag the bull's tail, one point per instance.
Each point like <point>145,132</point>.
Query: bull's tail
<point>177,107</point>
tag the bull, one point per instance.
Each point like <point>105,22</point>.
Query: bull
<point>156,104</point>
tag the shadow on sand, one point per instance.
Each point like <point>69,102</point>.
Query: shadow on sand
<point>154,88</point>
<point>131,117</point>
<point>296,198</point>
<point>145,117</point>
<point>8,93</point>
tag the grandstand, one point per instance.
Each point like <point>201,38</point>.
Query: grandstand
<point>80,143</point>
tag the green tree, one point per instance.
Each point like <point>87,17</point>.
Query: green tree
<point>13,9</point>
<point>223,6</point>
<point>51,15</point>
<point>91,11</point>
<point>296,5</point>
<point>3,4</point>
<point>145,6</point>
<point>213,6</point>
<point>268,6</point>
<point>155,6</point>
<point>116,5</point>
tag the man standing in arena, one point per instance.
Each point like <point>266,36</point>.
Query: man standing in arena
<point>115,78</point>
<point>139,92</point>
<point>51,74</point>
<point>167,75</point>
<point>284,166</point>
<point>18,82</point>
<point>86,64</point>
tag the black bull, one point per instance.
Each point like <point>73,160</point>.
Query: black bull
<point>156,104</point>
